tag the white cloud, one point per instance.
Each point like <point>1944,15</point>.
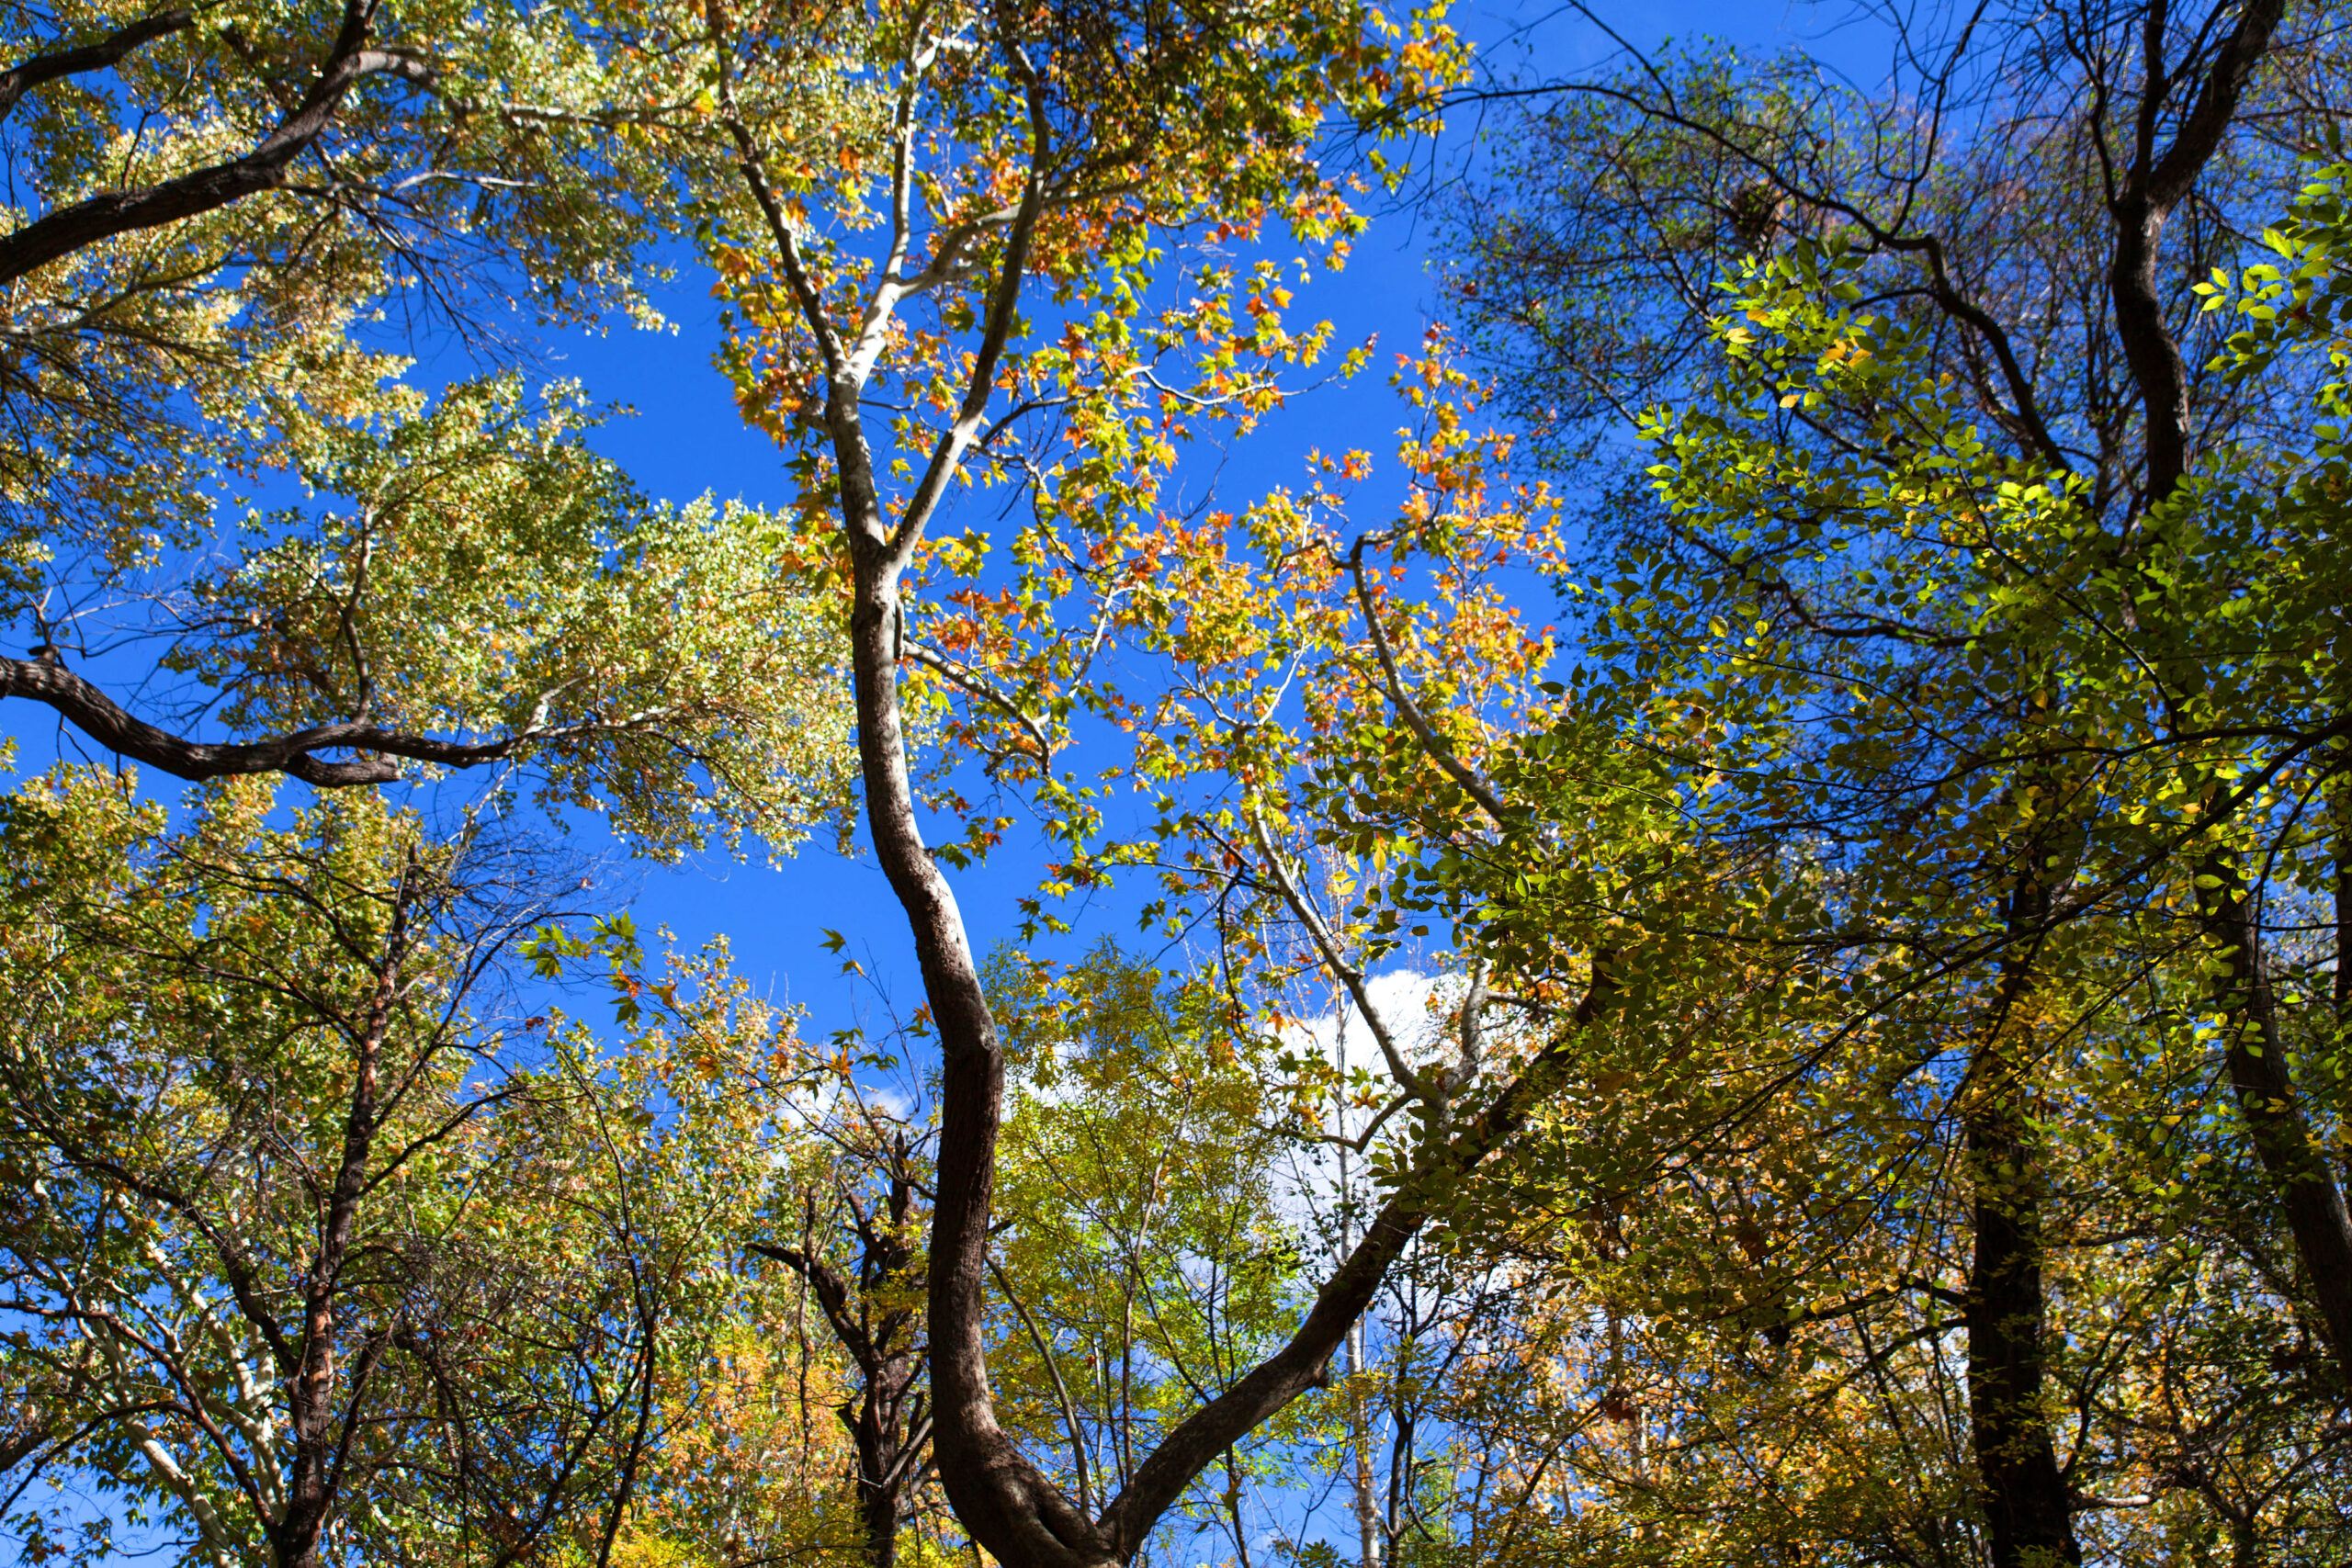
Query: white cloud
<point>1410,1004</point>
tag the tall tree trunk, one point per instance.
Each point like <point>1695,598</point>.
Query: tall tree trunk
<point>1358,1427</point>
<point>320,1429</point>
<point>2026,1514</point>
<point>2156,182</point>
<point>2026,1509</point>
<point>1359,1435</point>
<point>2340,808</point>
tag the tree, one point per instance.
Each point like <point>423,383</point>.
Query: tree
<point>1048,145</point>
<point>1901,556</point>
<point>229,220</point>
<point>1833,964</point>
<point>219,206</point>
<point>297,1257</point>
<point>873,1309</point>
<point>1197,602</point>
<point>232,223</point>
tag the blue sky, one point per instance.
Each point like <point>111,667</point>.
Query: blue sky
<point>686,439</point>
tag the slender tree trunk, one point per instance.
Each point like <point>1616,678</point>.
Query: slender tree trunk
<point>1400,1469</point>
<point>1233,1509</point>
<point>1358,1429</point>
<point>1001,1497</point>
<point>319,1429</point>
<point>2340,807</point>
<point>1360,1434</point>
<point>2295,1161</point>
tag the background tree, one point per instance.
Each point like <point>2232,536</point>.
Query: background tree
<point>859,1251</point>
<point>1147,1262</point>
<point>1980,461</point>
<point>298,1259</point>
<point>228,227</point>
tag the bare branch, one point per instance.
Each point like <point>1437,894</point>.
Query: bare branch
<point>1061,1389</point>
<point>1348,975</point>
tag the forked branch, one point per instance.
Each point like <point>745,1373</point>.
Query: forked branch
<point>111,49</point>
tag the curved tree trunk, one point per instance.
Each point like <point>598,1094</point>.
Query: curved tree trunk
<point>2292,1157</point>
<point>1008,1505</point>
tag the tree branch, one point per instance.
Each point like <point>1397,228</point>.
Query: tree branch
<point>98,716</point>
<point>1350,977</point>
<point>1299,1364</point>
<point>1061,1389</point>
<point>1423,732</point>
<point>86,222</point>
<point>832,1294</point>
<point>2152,188</point>
<point>969,681</point>
<point>20,79</point>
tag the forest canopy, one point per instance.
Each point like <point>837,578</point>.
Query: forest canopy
<point>1719,937</point>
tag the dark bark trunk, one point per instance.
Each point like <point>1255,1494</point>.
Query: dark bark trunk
<point>2026,1515</point>
<point>99,218</point>
<point>1007,1504</point>
<point>111,49</point>
<point>2293,1158</point>
<point>2028,1518</point>
<point>877,1490</point>
<point>2154,182</point>
<point>885,1421</point>
<point>321,1432</point>
<point>2340,805</point>
<point>1003,1499</point>
<point>888,1432</point>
